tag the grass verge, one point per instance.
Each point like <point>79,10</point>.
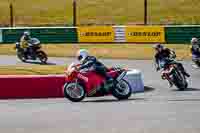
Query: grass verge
<point>114,51</point>
<point>31,70</point>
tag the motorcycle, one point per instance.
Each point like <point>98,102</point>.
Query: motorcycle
<point>196,60</point>
<point>173,74</point>
<point>86,83</point>
<point>25,55</point>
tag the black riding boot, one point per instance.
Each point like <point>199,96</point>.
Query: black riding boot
<point>32,53</point>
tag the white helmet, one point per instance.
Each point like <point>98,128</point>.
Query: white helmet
<point>194,40</point>
<point>27,33</point>
<point>82,55</point>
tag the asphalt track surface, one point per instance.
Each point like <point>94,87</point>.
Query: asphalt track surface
<point>159,110</point>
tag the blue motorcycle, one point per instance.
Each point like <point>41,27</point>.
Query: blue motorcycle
<point>196,60</point>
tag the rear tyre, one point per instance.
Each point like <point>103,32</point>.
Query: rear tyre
<point>122,90</point>
<point>74,92</point>
<point>42,57</point>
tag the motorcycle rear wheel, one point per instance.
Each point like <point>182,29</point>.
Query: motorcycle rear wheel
<point>73,96</point>
<point>121,90</point>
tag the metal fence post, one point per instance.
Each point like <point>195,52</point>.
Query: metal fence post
<point>74,13</point>
<point>11,15</point>
<point>145,12</point>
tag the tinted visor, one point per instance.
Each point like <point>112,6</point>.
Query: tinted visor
<point>80,57</point>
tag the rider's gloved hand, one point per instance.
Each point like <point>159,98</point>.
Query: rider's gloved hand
<point>77,68</point>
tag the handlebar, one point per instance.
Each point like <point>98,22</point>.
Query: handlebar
<point>76,67</point>
<point>70,69</point>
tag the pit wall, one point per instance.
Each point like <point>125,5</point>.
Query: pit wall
<point>105,34</point>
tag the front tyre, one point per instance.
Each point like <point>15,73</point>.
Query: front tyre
<point>74,92</point>
<point>122,90</point>
<point>197,63</point>
<point>20,55</point>
<point>180,81</point>
<point>42,57</point>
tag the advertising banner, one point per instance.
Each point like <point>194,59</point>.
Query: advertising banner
<point>96,34</point>
<point>145,34</point>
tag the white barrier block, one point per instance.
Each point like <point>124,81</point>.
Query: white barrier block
<point>134,78</point>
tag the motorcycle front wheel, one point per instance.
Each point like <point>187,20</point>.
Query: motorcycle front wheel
<point>122,90</point>
<point>74,92</point>
<point>197,63</point>
<point>180,80</point>
<point>20,55</point>
<point>42,57</point>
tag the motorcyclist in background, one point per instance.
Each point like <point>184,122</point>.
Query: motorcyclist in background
<point>25,43</point>
<point>165,56</point>
<point>195,48</point>
<point>91,63</point>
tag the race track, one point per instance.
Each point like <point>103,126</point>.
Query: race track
<point>159,110</point>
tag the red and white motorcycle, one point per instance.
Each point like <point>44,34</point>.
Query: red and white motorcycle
<point>81,84</point>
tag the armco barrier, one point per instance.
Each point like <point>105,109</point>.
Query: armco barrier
<point>31,86</point>
<point>44,34</point>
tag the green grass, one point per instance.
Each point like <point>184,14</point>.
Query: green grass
<point>50,12</point>
<point>115,51</point>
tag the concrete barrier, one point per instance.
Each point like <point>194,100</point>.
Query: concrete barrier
<point>49,86</point>
<point>134,77</point>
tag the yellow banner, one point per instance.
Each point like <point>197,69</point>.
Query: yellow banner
<point>96,34</point>
<point>145,34</point>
